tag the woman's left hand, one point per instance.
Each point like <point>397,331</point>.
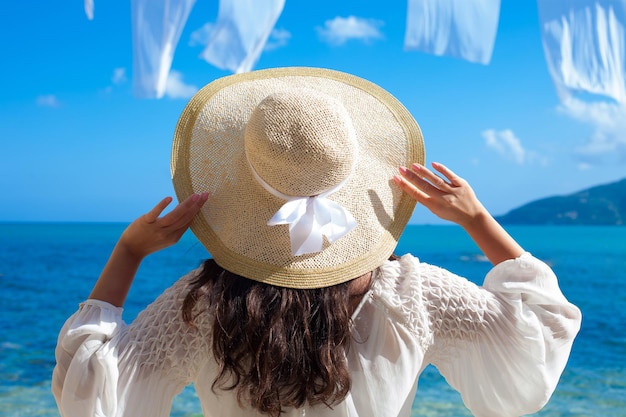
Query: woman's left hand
<point>150,233</point>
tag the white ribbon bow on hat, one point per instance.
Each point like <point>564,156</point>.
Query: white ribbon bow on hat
<point>310,218</point>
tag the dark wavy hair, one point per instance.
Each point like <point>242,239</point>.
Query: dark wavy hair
<point>278,347</point>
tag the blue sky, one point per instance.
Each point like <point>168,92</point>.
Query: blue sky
<point>76,145</point>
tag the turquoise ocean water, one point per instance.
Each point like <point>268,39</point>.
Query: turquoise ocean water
<point>47,269</point>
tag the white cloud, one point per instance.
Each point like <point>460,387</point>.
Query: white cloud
<point>510,147</point>
<point>278,38</point>
<point>119,76</point>
<point>200,37</point>
<point>341,29</point>
<point>176,88</point>
<point>608,121</point>
<point>49,100</point>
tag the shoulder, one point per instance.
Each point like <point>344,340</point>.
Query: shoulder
<point>404,277</point>
<point>419,294</point>
<point>172,298</point>
<point>161,339</point>
<point>397,287</point>
<point>395,276</point>
<point>163,317</point>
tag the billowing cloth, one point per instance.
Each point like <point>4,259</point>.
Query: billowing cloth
<point>585,46</point>
<point>503,346</point>
<point>89,9</point>
<point>462,29</point>
<point>157,25</point>
<point>240,33</point>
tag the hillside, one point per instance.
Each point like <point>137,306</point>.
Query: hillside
<point>600,205</point>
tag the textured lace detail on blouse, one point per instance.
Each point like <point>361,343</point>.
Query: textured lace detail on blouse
<point>457,308</point>
<point>159,339</point>
<point>433,302</point>
<point>399,292</point>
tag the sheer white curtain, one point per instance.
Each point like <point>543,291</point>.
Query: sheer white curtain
<point>157,25</point>
<point>461,28</point>
<point>89,9</point>
<point>585,46</point>
<point>240,33</point>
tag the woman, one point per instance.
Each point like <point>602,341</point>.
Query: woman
<point>289,177</point>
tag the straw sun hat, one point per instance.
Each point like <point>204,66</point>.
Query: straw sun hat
<point>299,165</point>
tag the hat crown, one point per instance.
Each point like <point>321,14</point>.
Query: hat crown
<point>300,142</point>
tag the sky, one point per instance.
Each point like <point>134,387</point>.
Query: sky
<point>76,145</point>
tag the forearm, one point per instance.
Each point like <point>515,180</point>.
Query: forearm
<point>146,235</point>
<point>116,277</point>
<point>491,238</point>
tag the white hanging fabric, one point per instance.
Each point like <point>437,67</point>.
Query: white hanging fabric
<point>585,46</point>
<point>157,25</point>
<point>463,29</point>
<point>240,33</point>
<point>89,9</point>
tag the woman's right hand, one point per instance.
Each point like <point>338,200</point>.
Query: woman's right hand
<point>451,198</point>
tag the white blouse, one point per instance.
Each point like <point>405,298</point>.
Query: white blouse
<point>503,346</point>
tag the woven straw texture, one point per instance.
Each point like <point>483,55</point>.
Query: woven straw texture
<point>208,155</point>
<point>305,134</point>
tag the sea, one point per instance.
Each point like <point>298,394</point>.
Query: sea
<point>47,269</point>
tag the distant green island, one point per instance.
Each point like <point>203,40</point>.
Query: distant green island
<point>599,205</point>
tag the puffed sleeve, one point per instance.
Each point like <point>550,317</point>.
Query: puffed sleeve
<point>107,368</point>
<point>504,345</point>
<point>84,380</point>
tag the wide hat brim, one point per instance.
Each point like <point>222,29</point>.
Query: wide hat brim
<point>208,156</point>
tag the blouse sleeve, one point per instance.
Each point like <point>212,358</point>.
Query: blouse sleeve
<point>107,368</point>
<point>504,345</point>
<point>83,382</point>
